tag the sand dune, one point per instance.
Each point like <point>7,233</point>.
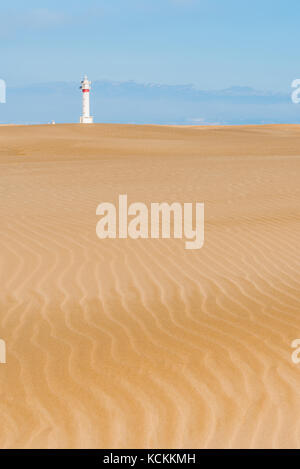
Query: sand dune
<point>143,344</point>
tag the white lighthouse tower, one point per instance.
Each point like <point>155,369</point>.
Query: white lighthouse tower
<point>86,88</point>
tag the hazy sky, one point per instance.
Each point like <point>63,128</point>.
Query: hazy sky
<point>213,44</point>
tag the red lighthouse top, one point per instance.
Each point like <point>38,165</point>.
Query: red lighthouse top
<point>85,85</point>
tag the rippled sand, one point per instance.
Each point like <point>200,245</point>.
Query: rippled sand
<point>143,344</point>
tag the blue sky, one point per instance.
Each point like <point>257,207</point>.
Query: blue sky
<point>212,44</point>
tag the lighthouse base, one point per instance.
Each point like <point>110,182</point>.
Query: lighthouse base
<point>86,120</point>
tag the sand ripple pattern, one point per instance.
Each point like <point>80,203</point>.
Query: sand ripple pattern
<point>142,344</point>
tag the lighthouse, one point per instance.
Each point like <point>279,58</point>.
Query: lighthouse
<point>85,88</point>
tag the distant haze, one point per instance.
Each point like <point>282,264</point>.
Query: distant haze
<point>131,102</point>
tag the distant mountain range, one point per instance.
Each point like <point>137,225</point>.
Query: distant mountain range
<point>147,103</point>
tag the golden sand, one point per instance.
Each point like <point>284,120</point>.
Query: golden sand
<point>143,344</point>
